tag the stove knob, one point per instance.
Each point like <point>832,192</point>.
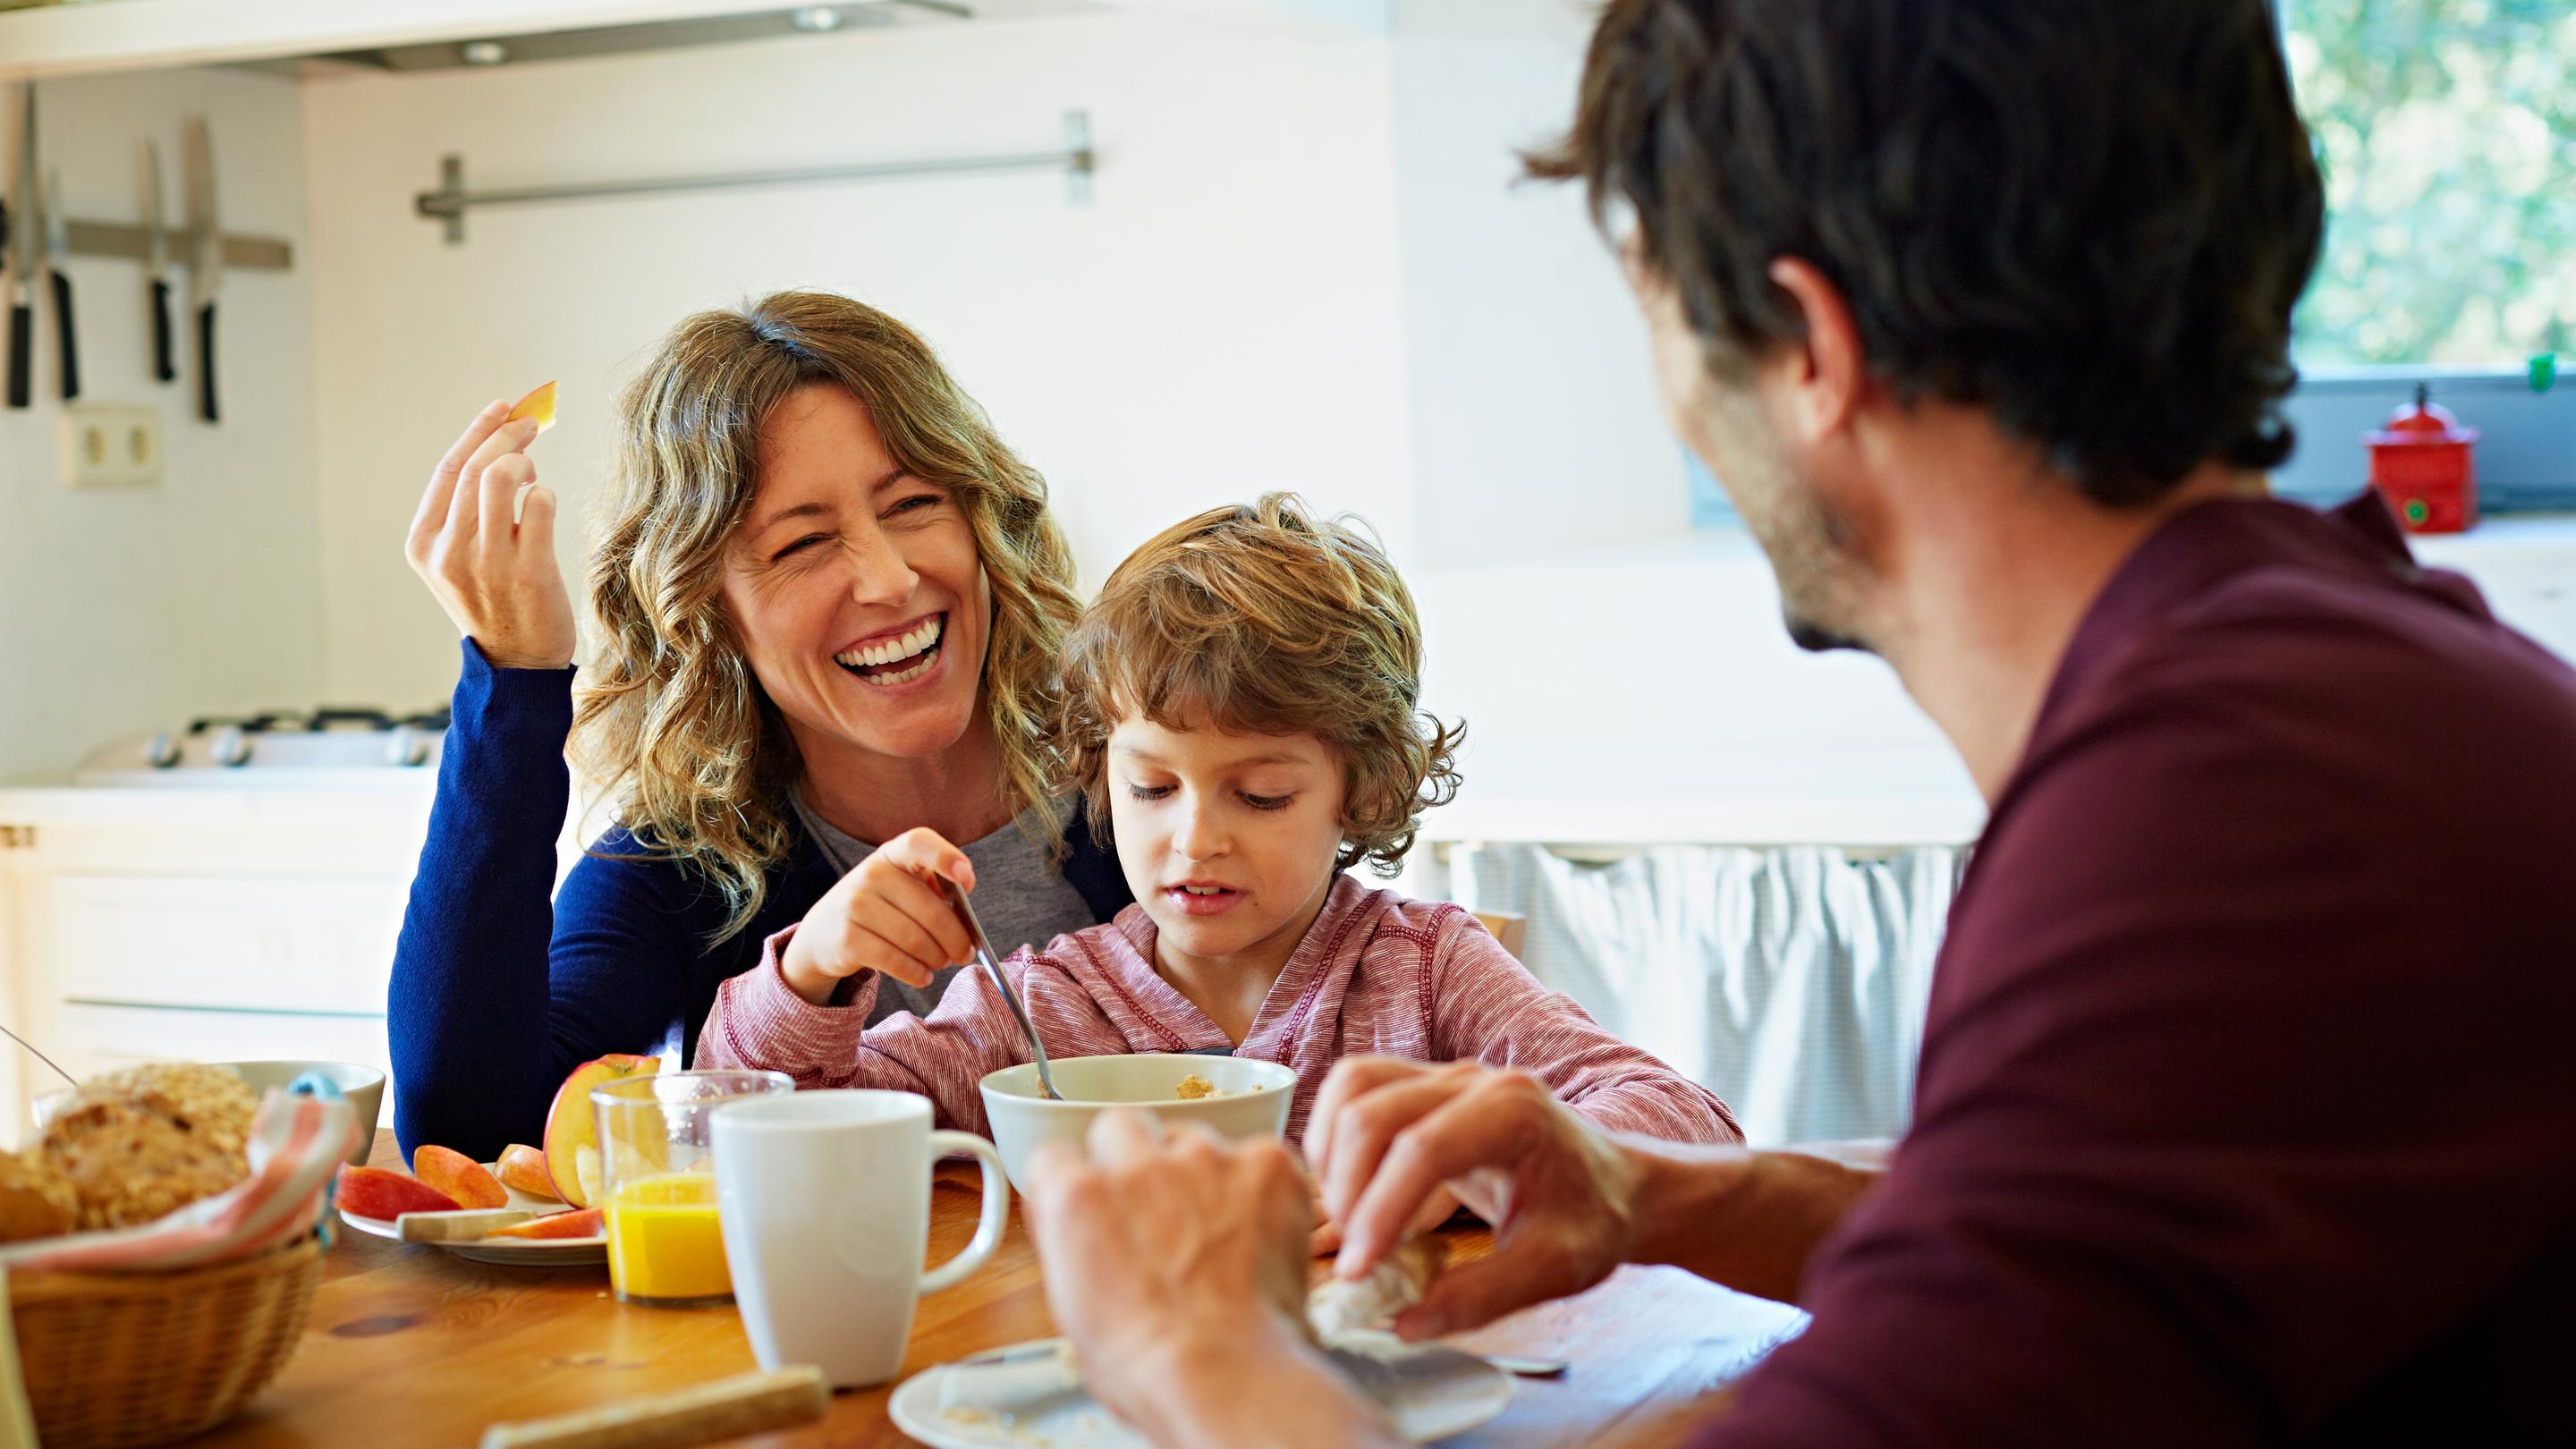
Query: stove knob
<point>161,752</point>
<point>406,748</point>
<point>232,747</point>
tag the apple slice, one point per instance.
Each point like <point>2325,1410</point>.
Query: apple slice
<point>586,1223</point>
<point>381,1192</point>
<point>524,1167</point>
<point>458,1176</point>
<point>539,405</point>
<point>572,1128</point>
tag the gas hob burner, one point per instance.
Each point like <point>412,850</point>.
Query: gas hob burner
<point>324,745</point>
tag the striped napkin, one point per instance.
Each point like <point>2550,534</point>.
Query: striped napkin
<point>297,1144</point>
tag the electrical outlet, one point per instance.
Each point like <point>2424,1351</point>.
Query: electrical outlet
<point>111,445</point>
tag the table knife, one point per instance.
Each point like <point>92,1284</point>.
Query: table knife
<point>206,264</point>
<point>165,367</point>
<point>58,245</point>
<point>26,247</point>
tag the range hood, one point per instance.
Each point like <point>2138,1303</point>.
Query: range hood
<point>577,44</point>
<point>301,36</point>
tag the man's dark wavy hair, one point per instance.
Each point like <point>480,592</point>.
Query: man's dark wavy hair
<point>2090,216</point>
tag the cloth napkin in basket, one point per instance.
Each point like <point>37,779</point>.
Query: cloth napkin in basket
<point>297,1144</point>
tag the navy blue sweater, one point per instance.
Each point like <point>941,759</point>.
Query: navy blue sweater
<point>499,992</point>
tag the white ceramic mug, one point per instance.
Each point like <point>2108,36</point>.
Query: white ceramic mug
<point>824,1199</point>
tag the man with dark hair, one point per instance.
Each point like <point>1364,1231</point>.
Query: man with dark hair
<point>2245,1112</point>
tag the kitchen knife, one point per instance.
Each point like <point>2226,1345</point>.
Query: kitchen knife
<point>206,266</point>
<point>26,245</point>
<point>157,265</point>
<point>58,245</point>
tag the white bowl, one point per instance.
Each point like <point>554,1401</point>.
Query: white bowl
<point>1254,1104</point>
<point>363,1086</point>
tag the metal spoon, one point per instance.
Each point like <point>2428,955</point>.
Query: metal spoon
<point>993,968</point>
<point>40,1056</point>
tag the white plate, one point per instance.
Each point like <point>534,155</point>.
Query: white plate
<point>1429,1391</point>
<point>508,1252</point>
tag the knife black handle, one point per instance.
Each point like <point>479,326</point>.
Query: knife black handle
<point>206,362</point>
<point>63,330</point>
<point>165,363</point>
<point>22,355</point>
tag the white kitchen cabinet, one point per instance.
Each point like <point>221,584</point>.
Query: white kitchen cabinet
<point>209,925</point>
<point>305,945</point>
<point>123,35</point>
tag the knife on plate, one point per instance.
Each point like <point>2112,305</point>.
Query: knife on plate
<point>206,262</point>
<point>26,248</point>
<point>157,265</point>
<point>58,245</point>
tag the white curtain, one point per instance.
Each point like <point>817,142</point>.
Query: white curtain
<point>1791,981</point>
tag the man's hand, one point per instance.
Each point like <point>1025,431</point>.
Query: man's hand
<point>1387,1136</point>
<point>1177,1269</point>
<point>887,915</point>
<point>1327,1239</point>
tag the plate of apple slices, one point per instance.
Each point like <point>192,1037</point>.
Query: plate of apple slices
<point>508,1211</point>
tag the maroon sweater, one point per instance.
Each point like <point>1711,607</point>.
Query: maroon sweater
<point>2247,1105</point>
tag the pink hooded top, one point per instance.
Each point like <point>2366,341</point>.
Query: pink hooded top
<point>1376,974</point>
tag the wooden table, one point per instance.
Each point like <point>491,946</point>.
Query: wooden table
<point>409,1345</point>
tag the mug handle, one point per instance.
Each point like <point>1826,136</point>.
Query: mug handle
<point>997,1207</point>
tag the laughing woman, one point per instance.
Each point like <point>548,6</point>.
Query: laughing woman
<point>828,606</point>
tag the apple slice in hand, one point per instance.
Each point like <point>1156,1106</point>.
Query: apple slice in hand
<point>538,405</point>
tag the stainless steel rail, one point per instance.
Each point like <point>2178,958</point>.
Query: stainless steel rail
<point>451,201</point>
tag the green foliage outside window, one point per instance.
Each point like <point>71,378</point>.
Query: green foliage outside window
<point>2447,129</point>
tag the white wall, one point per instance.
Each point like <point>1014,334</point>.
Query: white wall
<point>122,611</point>
<point>1222,319</point>
<point>1621,681</point>
<point>1534,422</point>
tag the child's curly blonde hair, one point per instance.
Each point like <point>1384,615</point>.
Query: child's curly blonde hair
<point>1264,619</point>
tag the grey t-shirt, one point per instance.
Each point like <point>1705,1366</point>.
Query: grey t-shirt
<point>1020,896</point>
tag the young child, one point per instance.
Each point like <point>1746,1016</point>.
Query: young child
<point>1240,710</point>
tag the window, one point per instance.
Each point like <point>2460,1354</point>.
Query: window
<point>2447,132</point>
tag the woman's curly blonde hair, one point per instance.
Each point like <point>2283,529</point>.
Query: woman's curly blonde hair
<point>1265,619</point>
<point>669,721</point>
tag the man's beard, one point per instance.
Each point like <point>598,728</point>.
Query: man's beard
<point>1814,552</point>
<point>1814,546</point>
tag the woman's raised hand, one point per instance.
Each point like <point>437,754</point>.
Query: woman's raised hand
<point>889,915</point>
<point>488,553</point>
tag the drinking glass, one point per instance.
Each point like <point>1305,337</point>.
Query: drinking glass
<point>657,1183</point>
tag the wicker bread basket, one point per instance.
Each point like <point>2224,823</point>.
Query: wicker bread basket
<point>123,1360</point>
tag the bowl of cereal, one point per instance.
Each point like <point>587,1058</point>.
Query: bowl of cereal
<point>1230,1096</point>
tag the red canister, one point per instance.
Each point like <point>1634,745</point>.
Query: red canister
<point>2421,463</point>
